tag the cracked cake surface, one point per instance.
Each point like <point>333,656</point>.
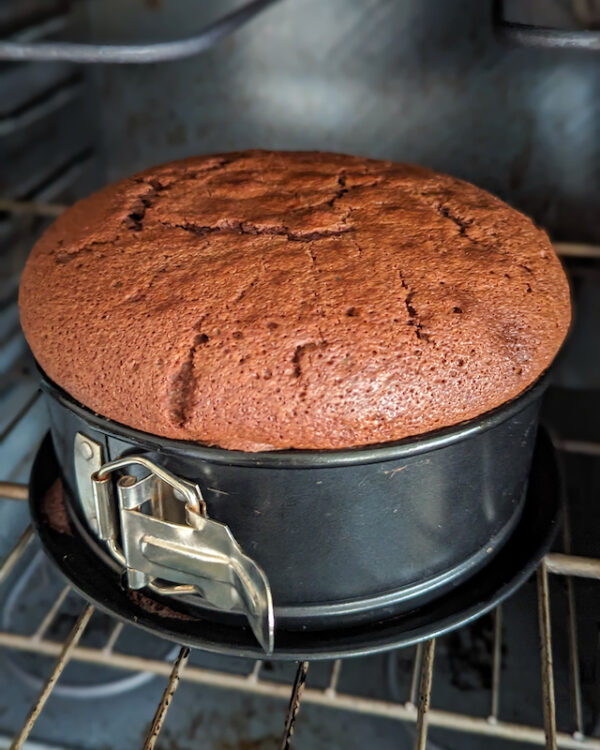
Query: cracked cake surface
<point>271,300</point>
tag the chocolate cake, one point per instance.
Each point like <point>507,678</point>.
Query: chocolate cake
<point>273,300</point>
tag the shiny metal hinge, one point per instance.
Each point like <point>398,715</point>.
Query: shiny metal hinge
<point>193,555</point>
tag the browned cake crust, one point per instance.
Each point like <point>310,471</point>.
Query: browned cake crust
<point>262,300</point>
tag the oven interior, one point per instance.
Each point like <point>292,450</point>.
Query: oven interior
<point>484,91</point>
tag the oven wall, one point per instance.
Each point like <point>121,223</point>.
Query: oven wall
<point>423,82</point>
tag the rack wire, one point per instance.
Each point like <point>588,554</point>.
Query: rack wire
<point>24,48</point>
<point>530,35</point>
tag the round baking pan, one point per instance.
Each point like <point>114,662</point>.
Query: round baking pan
<point>346,536</point>
<point>100,581</point>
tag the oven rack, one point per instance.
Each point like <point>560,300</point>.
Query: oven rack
<point>416,709</point>
<point>542,36</point>
<point>22,47</point>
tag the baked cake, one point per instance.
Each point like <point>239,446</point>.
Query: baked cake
<point>273,300</point>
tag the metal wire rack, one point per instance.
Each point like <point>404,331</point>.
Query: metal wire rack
<point>530,35</point>
<point>22,46</point>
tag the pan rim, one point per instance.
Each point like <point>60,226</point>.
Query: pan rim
<point>299,459</point>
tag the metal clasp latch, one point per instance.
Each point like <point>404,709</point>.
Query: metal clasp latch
<point>196,556</point>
